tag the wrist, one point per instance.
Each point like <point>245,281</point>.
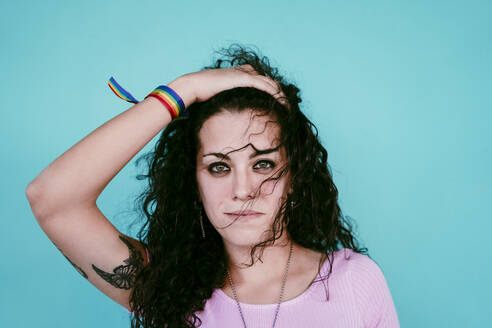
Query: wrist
<point>182,87</point>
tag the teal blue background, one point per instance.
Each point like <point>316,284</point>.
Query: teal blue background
<point>400,92</point>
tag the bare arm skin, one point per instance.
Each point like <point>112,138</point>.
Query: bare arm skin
<point>63,196</point>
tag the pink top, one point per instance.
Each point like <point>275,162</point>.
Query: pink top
<point>358,297</point>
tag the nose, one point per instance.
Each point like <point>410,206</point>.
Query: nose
<point>243,186</point>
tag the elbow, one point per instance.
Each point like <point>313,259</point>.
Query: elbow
<point>33,195</point>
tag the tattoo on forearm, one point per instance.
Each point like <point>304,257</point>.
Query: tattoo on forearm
<point>123,276</point>
<point>79,269</point>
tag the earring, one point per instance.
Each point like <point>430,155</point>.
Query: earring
<point>201,223</point>
<point>292,205</point>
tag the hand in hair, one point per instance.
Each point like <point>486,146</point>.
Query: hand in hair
<point>202,85</point>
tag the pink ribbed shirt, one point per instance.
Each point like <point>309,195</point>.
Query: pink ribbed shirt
<point>358,297</point>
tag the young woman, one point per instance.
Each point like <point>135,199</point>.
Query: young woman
<point>242,223</point>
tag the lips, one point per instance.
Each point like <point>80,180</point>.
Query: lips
<point>244,213</point>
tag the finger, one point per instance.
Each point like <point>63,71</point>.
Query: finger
<point>259,82</point>
<point>279,95</point>
<point>247,68</point>
<point>272,87</point>
<point>276,90</point>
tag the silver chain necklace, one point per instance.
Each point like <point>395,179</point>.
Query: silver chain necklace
<point>281,291</point>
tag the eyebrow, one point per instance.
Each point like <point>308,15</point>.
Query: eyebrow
<point>255,154</point>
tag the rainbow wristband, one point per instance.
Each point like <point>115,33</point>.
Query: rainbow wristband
<point>170,99</point>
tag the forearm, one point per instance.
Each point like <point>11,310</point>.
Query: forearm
<point>80,174</point>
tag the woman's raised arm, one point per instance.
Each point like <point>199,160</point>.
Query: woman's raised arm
<point>80,174</point>
<point>63,196</point>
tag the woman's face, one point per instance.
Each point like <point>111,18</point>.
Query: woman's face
<point>231,183</point>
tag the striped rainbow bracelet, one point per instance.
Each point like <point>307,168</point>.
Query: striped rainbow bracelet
<point>164,94</point>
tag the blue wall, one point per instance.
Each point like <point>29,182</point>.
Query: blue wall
<point>400,92</point>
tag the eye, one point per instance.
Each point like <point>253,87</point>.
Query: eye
<point>264,164</point>
<point>217,168</point>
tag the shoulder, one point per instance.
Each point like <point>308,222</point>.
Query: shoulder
<point>347,262</point>
<point>369,288</point>
<point>365,275</point>
<point>360,266</point>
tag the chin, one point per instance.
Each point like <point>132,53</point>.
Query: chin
<point>245,238</point>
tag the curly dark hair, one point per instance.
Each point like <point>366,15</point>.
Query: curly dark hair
<point>185,268</point>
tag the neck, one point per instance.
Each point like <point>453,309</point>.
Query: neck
<point>271,267</point>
